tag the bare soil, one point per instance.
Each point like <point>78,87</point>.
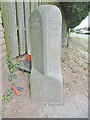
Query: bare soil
<point>75,66</point>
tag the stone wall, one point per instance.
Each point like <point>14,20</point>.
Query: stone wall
<point>3,63</point>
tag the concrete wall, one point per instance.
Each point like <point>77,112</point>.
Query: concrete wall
<point>3,63</point>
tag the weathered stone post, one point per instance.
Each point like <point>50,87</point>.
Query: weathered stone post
<point>45,38</point>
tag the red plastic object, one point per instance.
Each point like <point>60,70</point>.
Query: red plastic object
<point>16,91</point>
<point>28,57</point>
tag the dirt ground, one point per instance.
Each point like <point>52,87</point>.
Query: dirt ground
<point>75,76</point>
<point>75,66</point>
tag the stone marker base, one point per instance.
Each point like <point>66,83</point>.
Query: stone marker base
<point>45,89</point>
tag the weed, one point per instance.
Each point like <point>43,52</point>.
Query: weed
<point>1,111</point>
<point>17,65</point>
<point>10,65</point>
<point>12,68</point>
<point>6,97</point>
<point>10,77</point>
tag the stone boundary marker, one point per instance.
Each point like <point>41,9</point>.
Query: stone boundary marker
<point>45,38</point>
